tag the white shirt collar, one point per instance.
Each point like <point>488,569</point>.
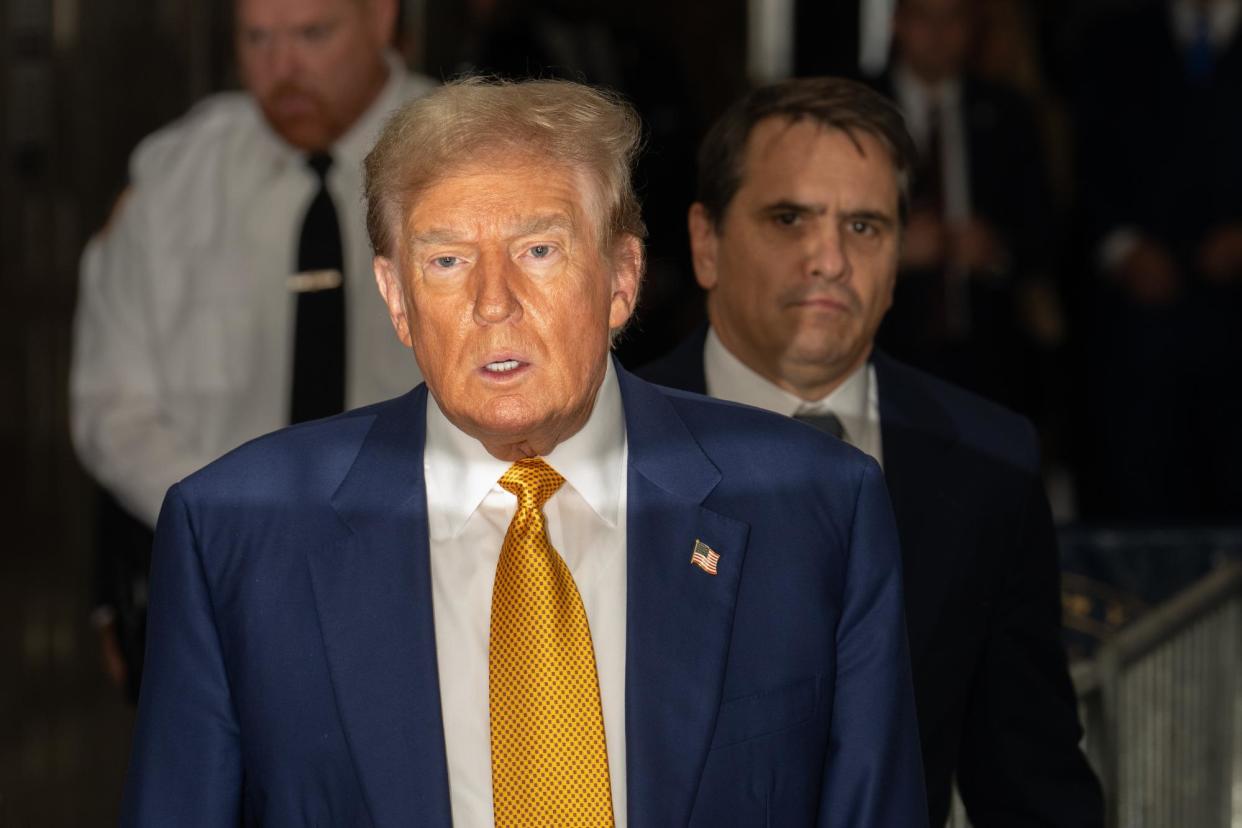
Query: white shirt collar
<point>909,87</point>
<point>730,379</point>
<point>1223,18</point>
<point>459,472</point>
<point>855,402</point>
<point>352,147</point>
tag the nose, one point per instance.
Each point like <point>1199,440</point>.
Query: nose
<point>495,301</point>
<point>282,58</point>
<point>826,256</point>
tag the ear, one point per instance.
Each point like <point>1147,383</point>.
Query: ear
<point>704,246</point>
<point>388,280</point>
<point>627,274</point>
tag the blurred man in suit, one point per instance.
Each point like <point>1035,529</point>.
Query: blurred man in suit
<point>230,294</point>
<point>795,237</point>
<point>1160,173</point>
<point>978,241</point>
<point>694,615</point>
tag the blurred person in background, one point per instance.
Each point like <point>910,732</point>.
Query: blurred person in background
<point>796,237</point>
<point>977,247</point>
<point>1158,107</point>
<point>231,293</point>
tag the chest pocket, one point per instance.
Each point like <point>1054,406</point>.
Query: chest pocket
<point>748,717</point>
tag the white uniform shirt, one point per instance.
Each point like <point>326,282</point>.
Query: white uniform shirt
<point>468,515</point>
<point>855,402</point>
<point>183,340</point>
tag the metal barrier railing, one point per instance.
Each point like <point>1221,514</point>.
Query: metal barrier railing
<point>1161,706</point>
<point>1162,710</point>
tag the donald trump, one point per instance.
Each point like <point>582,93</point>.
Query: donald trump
<point>534,590</point>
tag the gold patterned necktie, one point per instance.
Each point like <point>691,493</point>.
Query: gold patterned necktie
<point>549,758</point>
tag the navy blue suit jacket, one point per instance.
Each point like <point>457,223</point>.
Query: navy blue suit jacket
<point>291,668</point>
<point>995,705</point>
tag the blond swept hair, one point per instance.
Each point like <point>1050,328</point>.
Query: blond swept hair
<point>476,119</point>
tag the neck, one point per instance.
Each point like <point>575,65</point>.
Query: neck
<point>808,380</point>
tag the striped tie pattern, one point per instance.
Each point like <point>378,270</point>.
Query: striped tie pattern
<point>549,757</point>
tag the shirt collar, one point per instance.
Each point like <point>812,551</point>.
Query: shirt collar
<point>352,147</point>
<point>917,95</point>
<point>1223,18</point>
<point>460,473</point>
<point>730,379</point>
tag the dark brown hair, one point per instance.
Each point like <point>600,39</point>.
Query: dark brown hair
<point>834,103</point>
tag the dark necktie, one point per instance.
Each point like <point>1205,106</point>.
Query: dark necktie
<point>827,423</point>
<point>929,174</point>
<point>319,338</point>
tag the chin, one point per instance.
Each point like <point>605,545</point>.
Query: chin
<point>507,416</point>
<point>302,135</point>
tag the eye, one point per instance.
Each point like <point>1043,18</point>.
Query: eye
<point>541,251</point>
<point>254,38</point>
<point>445,262</point>
<point>789,218</point>
<point>862,228</point>
<point>316,32</point>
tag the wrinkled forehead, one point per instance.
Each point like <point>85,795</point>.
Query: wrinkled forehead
<point>509,189</point>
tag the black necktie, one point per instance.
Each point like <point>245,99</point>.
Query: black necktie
<point>319,339</point>
<point>929,173</point>
<point>827,423</point>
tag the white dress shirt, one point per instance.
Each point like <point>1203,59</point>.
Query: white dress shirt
<point>183,339</point>
<point>1222,17</point>
<point>468,514</point>
<point>916,99</point>
<point>855,402</point>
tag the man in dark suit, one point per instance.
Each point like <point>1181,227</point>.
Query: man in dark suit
<point>694,615</point>
<point>795,238</point>
<point>1160,178</point>
<point>976,248</point>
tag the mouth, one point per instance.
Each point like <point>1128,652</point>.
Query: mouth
<point>822,303</point>
<point>504,369</point>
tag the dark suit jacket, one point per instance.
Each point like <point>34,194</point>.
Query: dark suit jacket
<point>995,703</point>
<point>291,669</point>
<point>1157,152</point>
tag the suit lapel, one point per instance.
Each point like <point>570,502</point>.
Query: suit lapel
<point>918,445</point>
<point>678,618</point>
<point>373,592</point>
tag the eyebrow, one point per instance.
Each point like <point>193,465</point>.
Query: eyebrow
<point>535,224</point>
<point>865,213</point>
<point>876,216</point>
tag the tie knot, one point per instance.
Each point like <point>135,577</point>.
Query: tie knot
<point>533,481</point>
<point>320,162</point>
<point>828,422</point>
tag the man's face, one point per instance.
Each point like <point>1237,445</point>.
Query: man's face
<point>933,37</point>
<point>500,287</point>
<point>313,65</point>
<point>800,269</point>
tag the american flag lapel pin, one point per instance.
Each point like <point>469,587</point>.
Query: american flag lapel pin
<point>704,557</point>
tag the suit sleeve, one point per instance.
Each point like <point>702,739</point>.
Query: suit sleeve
<point>874,772</point>
<point>185,766</point>
<point>1020,764</point>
